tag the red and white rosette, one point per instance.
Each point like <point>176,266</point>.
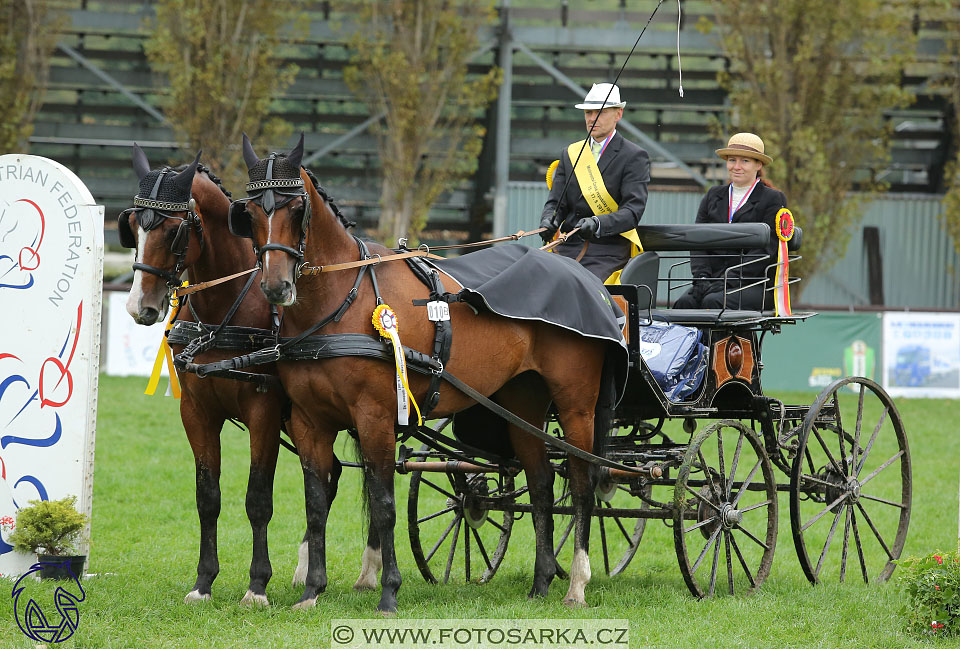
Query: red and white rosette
<point>781,291</point>
<point>385,322</point>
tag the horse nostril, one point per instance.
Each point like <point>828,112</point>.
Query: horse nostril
<point>148,315</point>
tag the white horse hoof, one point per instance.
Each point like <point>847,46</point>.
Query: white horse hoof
<point>305,604</point>
<point>575,603</point>
<point>195,596</point>
<point>370,566</point>
<point>252,599</point>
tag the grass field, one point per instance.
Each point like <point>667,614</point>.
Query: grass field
<point>145,537</point>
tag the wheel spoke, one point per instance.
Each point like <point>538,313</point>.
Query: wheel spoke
<point>765,503</point>
<point>856,432</point>
<point>746,483</point>
<point>483,550</point>
<point>750,535</point>
<point>875,531</point>
<point>743,562</point>
<point>697,526</point>
<point>736,460</point>
<point>873,438</point>
<point>445,510</point>
<point>883,500</point>
<point>563,538</point>
<point>603,545</point>
<point>453,551</point>
<point>846,545</point>
<point>726,552</point>
<point>706,548</point>
<point>823,445</point>
<point>713,568</point>
<point>496,524</point>
<point>823,512</point>
<point>701,498</point>
<point>706,469</point>
<point>723,470</point>
<point>439,489</point>
<point>806,477</point>
<point>856,538</point>
<point>466,552</point>
<point>443,537</point>
<point>623,530</point>
<point>826,544</point>
<point>880,468</point>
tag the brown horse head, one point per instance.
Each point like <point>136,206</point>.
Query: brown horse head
<point>277,217</point>
<point>166,231</point>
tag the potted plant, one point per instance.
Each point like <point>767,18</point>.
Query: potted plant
<point>50,529</point>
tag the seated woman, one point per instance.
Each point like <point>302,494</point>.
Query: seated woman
<point>749,198</point>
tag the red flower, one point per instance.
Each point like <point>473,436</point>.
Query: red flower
<point>938,558</point>
<point>937,587</point>
<point>936,625</point>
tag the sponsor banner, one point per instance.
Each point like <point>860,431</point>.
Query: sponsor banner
<point>921,354</point>
<point>51,278</point>
<point>131,348</point>
<point>812,354</point>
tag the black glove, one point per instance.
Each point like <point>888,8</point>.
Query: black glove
<point>588,227</point>
<point>551,229</point>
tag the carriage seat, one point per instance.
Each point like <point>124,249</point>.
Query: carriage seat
<point>701,317</point>
<point>643,270</point>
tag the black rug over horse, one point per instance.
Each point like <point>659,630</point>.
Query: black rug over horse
<point>527,284</point>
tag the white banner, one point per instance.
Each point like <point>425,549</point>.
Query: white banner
<point>921,354</point>
<point>131,348</point>
<point>51,278</point>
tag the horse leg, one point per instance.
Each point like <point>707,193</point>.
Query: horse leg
<point>303,552</point>
<point>582,493</point>
<point>319,484</point>
<point>379,456</point>
<point>203,433</point>
<point>264,448</point>
<point>526,397</point>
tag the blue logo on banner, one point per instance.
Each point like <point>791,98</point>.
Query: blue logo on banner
<point>33,621</point>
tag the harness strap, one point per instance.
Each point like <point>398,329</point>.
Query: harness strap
<point>316,270</point>
<point>443,332</point>
<point>193,288</point>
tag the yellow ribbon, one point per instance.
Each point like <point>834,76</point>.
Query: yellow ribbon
<point>599,199</point>
<point>166,353</point>
<point>781,291</point>
<point>385,322</point>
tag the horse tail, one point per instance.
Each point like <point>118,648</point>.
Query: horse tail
<point>604,412</point>
<point>364,492</point>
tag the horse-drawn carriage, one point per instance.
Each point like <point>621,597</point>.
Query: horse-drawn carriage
<point>549,405</point>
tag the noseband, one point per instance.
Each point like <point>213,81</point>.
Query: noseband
<point>151,213</point>
<point>272,193</point>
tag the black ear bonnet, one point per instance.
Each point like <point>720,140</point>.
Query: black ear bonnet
<point>274,182</point>
<point>160,192</point>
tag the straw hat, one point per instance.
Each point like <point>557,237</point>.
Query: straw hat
<point>598,93</point>
<point>747,145</point>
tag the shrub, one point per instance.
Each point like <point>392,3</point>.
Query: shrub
<point>48,526</point>
<point>933,589</point>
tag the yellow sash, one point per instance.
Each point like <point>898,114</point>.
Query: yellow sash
<point>166,354</point>
<point>598,198</point>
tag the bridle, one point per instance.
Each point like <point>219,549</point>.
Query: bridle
<point>272,193</point>
<point>150,213</point>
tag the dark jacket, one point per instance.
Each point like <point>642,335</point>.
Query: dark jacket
<point>625,168</point>
<point>761,207</point>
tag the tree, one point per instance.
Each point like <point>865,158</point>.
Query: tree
<point>947,80</point>
<point>28,34</point>
<point>221,59</point>
<point>813,79</point>
<point>410,61</point>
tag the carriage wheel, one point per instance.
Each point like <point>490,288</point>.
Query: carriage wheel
<point>850,484</point>
<point>452,535</point>
<point>725,511</point>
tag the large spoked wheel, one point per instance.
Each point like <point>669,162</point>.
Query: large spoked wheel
<point>850,484</point>
<point>454,535</point>
<point>725,511</point>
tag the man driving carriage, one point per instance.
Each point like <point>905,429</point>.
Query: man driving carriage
<point>607,194</point>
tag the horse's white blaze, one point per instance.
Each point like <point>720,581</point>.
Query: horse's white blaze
<point>266,255</point>
<point>136,291</point>
<point>370,565</point>
<point>300,574</point>
<point>579,578</point>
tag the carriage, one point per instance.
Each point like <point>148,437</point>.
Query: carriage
<point>845,459</point>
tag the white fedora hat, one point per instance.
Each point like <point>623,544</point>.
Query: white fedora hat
<point>595,98</point>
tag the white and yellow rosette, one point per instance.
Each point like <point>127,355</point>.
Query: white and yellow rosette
<point>385,322</point>
<point>166,354</point>
<point>781,291</point>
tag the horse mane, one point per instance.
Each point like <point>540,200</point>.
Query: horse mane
<point>202,168</point>
<point>347,224</point>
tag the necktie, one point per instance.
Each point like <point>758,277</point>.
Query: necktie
<point>595,147</point>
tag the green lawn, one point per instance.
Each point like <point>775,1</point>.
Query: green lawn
<point>145,538</point>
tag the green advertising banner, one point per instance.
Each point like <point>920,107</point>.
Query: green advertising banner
<point>810,355</point>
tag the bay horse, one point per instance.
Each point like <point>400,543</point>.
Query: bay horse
<point>523,364</point>
<point>179,223</point>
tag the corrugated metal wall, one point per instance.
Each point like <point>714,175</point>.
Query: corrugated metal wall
<point>921,269</point>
